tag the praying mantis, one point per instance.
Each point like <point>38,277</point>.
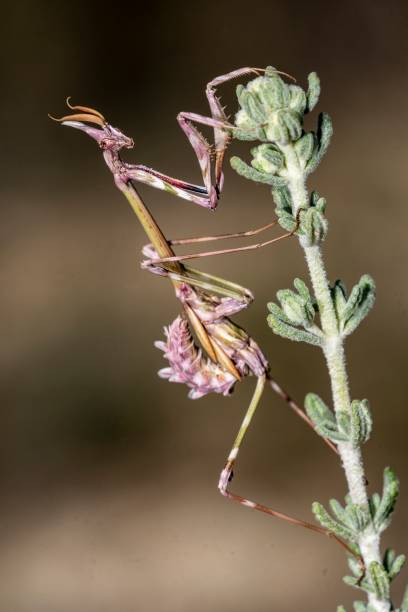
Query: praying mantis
<point>227,352</point>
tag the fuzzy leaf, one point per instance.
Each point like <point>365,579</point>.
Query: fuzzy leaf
<point>339,299</point>
<point>388,500</point>
<point>359,606</point>
<point>283,210</point>
<point>298,309</point>
<point>317,410</point>
<point>379,579</point>
<point>374,503</point>
<point>359,304</point>
<point>357,517</point>
<point>397,566</point>
<point>324,134</point>
<point>286,220</point>
<point>389,558</point>
<point>267,159</point>
<point>298,99</point>
<point>343,422</point>
<point>282,325</point>
<point>332,434</point>
<point>355,566</point>
<point>324,518</point>
<point>255,175</point>
<point>290,127</point>
<point>302,289</point>
<point>282,199</point>
<point>357,584</point>
<point>323,418</point>
<point>338,511</point>
<point>404,604</point>
<point>313,93</point>
<point>295,307</point>
<point>304,149</point>
<point>314,227</point>
<point>361,422</point>
<point>286,330</point>
<point>392,563</point>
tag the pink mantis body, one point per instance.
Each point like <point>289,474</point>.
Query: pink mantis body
<point>207,301</point>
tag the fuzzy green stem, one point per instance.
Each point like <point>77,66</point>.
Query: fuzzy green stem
<point>333,349</point>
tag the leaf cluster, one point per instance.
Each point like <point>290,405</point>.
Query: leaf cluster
<point>294,318</point>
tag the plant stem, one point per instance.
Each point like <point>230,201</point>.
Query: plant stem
<point>333,349</point>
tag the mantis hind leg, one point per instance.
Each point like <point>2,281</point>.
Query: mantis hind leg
<point>227,475</point>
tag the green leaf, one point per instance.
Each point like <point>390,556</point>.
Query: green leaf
<point>323,137</point>
<point>359,304</point>
<point>282,199</point>
<point>314,227</point>
<point>267,159</point>
<point>324,518</point>
<point>298,99</point>
<point>379,580</point>
<point>338,511</point>
<point>290,124</point>
<point>339,299</point>
<point>397,566</point>
<point>318,411</point>
<point>358,584</point>
<point>374,503</point>
<point>359,606</point>
<point>392,563</point>
<point>281,328</point>
<point>302,289</point>
<point>283,210</point>
<point>255,175</point>
<point>304,147</point>
<point>298,309</point>
<point>388,500</point>
<point>343,422</point>
<point>323,418</point>
<point>404,604</point>
<point>313,93</point>
<point>341,609</point>
<point>355,567</point>
<point>357,517</point>
<point>361,422</point>
<point>286,220</point>
<point>389,558</point>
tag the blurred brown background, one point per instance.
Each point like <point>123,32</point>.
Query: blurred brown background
<point>108,475</point>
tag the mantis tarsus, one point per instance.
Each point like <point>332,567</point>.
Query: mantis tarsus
<point>207,300</point>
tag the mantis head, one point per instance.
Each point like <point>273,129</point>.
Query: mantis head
<point>108,137</point>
